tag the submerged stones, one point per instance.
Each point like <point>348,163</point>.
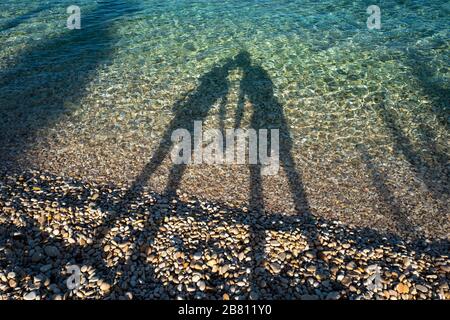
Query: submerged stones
<point>189,46</point>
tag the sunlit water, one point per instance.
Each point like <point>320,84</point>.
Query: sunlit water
<point>367,109</point>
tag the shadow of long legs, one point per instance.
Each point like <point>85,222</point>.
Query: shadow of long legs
<point>213,87</point>
<point>403,144</point>
<point>422,68</point>
<point>379,181</point>
<point>257,233</point>
<point>257,87</point>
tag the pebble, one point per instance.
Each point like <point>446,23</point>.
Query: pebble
<point>402,288</point>
<point>51,251</point>
<point>275,267</point>
<point>12,283</point>
<point>241,256</point>
<point>422,288</point>
<point>45,268</point>
<point>105,287</point>
<point>282,256</point>
<point>36,257</point>
<point>201,285</point>
<point>310,255</point>
<point>333,295</point>
<point>211,263</point>
<point>311,268</point>
<point>445,268</point>
<point>30,296</point>
<point>224,269</point>
<point>197,256</point>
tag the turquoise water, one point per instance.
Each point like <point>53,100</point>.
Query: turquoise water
<point>94,102</point>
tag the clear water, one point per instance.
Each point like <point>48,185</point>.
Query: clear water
<point>94,102</point>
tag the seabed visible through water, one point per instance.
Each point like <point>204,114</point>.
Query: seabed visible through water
<point>363,113</point>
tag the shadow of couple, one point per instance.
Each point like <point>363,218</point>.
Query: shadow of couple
<point>256,88</point>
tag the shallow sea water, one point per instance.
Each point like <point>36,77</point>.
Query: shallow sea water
<point>367,110</point>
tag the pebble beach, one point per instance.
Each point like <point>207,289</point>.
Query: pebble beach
<point>359,209</point>
<point>157,247</point>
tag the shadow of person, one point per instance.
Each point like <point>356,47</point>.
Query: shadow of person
<point>195,106</point>
<point>257,88</point>
<point>379,180</point>
<point>267,113</point>
<point>213,87</point>
<point>433,173</point>
<point>41,82</point>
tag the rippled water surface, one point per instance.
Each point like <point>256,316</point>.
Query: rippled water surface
<point>367,110</point>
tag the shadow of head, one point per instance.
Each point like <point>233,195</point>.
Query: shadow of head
<point>243,59</point>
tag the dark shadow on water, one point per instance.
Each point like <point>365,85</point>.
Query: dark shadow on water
<point>422,68</point>
<point>434,169</point>
<point>41,82</point>
<point>379,180</point>
<point>434,173</point>
<point>14,22</point>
